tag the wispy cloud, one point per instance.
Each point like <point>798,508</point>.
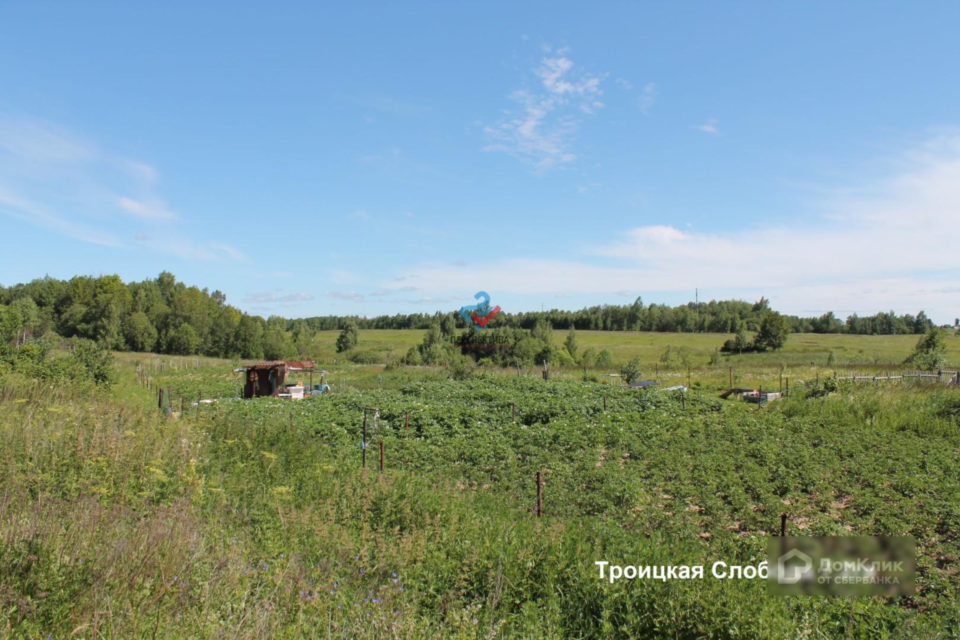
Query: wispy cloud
<point>540,128</point>
<point>56,179</point>
<point>359,214</point>
<point>351,296</point>
<point>648,97</point>
<point>275,298</point>
<point>710,126</point>
<point>145,209</point>
<point>889,243</point>
<point>379,293</point>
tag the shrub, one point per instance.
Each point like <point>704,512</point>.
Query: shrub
<point>930,353</point>
<point>604,359</point>
<point>631,372</point>
<point>95,359</point>
<point>365,357</point>
<point>412,357</point>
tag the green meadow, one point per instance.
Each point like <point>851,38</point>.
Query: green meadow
<point>801,348</point>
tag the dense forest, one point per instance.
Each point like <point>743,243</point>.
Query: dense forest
<point>166,316</point>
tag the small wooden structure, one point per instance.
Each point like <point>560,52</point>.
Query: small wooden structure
<point>736,391</point>
<point>268,378</point>
<point>760,397</point>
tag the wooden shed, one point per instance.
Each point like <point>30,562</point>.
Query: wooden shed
<point>269,378</point>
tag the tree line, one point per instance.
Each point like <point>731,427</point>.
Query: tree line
<point>163,315</point>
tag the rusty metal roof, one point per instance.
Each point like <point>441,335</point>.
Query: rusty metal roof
<point>289,364</point>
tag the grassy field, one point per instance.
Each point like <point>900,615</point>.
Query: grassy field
<point>801,349</point>
<point>250,519</point>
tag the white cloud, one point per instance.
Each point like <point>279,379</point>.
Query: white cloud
<point>274,298</point>
<point>648,97</point>
<point>710,126</point>
<point>145,209</point>
<point>55,179</point>
<point>352,296</point>
<point>360,214</point>
<point>892,245</point>
<point>379,293</point>
<point>540,128</point>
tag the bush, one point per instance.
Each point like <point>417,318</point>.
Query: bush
<point>631,372</point>
<point>604,359</point>
<point>589,357</point>
<point>365,357</point>
<point>95,359</point>
<point>462,367</point>
<point>930,353</point>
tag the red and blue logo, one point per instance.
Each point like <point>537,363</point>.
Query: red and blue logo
<point>479,314</point>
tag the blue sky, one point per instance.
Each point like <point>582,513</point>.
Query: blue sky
<point>396,157</point>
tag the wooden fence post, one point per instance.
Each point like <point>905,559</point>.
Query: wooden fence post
<point>382,446</point>
<point>604,404</point>
<point>539,495</point>
<point>783,525</point>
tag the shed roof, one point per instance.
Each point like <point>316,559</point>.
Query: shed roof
<point>289,364</point>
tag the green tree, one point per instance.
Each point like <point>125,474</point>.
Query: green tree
<point>8,326</point>
<point>249,339</point>
<point>26,318</point>
<point>302,337</point>
<point>275,346</point>
<point>930,353</point>
<point>604,359</point>
<point>96,359</point>
<point>773,332</point>
<point>184,341</point>
<point>433,349</point>
<point>631,372</point>
<point>349,336</point>
<point>542,331</point>
<point>589,357</point>
<point>448,326</point>
<point>525,350</point>
<point>139,332</point>
<point>571,342</point>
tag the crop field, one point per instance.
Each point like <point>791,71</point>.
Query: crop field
<point>257,518</point>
